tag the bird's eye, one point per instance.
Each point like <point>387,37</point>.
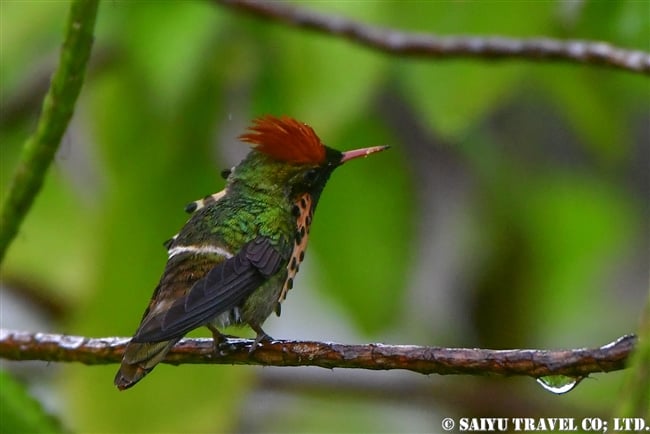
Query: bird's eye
<point>311,175</point>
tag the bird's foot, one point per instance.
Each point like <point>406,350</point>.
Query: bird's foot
<point>262,336</point>
<point>220,340</point>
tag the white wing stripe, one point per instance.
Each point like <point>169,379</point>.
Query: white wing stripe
<point>176,250</point>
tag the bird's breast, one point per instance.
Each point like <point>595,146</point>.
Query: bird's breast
<point>303,211</point>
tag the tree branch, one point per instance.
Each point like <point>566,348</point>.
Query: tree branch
<point>58,106</point>
<point>448,47</point>
<point>18,345</point>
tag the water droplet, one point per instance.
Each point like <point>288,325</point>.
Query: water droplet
<point>559,384</point>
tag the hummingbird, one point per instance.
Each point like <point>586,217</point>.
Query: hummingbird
<point>237,256</point>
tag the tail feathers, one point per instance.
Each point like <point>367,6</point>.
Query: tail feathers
<point>128,375</point>
<point>139,359</point>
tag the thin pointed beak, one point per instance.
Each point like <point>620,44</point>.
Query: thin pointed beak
<point>357,153</point>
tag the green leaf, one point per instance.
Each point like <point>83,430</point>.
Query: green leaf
<point>578,225</point>
<point>363,229</point>
<point>597,19</point>
<point>632,25</point>
<point>52,248</point>
<point>452,96</point>
<point>149,34</point>
<point>36,25</point>
<point>624,23</point>
<point>20,413</point>
<point>314,78</point>
<point>635,394</point>
<point>584,99</point>
<point>472,18</point>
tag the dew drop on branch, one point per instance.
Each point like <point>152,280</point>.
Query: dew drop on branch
<point>559,384</point>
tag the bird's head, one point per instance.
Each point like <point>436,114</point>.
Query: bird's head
<point>288,156</point>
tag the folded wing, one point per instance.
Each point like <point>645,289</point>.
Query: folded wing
<point>223,288</point>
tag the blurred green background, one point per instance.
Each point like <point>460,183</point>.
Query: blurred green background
<point>512,210</point>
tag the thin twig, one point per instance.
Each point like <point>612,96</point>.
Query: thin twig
<point>58,106</point>
<point>448,47</point>
<point>17,345</point>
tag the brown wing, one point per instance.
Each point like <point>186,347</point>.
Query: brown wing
<point>224,287</point>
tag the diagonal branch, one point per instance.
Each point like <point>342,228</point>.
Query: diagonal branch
<point>448,47</point>
<point>58,106</point>
<point>18,345</point>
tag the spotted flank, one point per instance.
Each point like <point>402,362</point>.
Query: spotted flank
<point>201,250</point>
<point>303,211</point>
<point>201,203</point>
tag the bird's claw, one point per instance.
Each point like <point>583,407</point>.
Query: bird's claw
<point>261,337</point>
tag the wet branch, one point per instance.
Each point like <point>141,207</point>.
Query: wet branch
<point>447,47</point>
<point>18,345</point>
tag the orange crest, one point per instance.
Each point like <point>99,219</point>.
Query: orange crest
<point>285,139</point>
